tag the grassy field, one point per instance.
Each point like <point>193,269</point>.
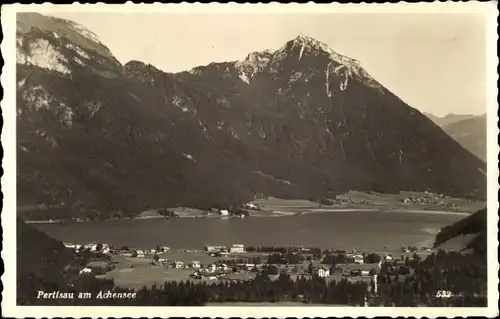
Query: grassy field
<point>364,201</point>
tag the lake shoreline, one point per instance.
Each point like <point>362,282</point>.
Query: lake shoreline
<point>270,213</point>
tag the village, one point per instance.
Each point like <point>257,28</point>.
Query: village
<point>135,268</point>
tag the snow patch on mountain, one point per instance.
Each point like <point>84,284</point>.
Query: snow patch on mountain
<point>77,60</point>
<point>43,54</point>
<point>295,77</point>
<point>189,156</point>
<point>37,99</point>
<point>78,50</point>
<point>327,80</point>
<point>254,63</point>
<point>93,107</point>
<point>177,101</point>
<point>302,51</point>
<point>344,74</point>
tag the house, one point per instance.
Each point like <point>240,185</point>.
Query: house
<point>85,271</point>
<point>365,272</point>
<point>212,268</point>
<point>249,266</point>
<point>178,264</point>
<point>195,264</point>
<point>323,272</point>
<point>237,248</point>
<point>91,247</point>
<point>388,257</point>
<point>224,254</point>
<point>355,272</point>
<point>224,212</point>
<point>212,249</point>
<point>358,260</point>
<point>68,245</point>
<point>163,260</point>
<point>251,206</point>
<point>223,267</point>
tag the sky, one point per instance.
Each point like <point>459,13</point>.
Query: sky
<point>434,62</point>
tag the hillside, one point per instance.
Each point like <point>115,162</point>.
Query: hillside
<point>40,262</point>
<point>471,134</point>
<point>303,121</point>
<point>467,233</point>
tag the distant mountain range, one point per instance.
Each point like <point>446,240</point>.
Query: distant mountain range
<point>302,121</point>
<point>468,130</point>
<point>448,118</point>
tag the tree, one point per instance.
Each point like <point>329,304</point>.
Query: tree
<point>372,258</point>
<point>310,268</point>
<point>273,270</point>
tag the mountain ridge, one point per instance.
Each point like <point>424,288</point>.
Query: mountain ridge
<point>216,133</point>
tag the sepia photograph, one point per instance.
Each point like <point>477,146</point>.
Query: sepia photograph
<point>250,160</point>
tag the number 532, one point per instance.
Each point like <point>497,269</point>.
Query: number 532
<point>443,294</point>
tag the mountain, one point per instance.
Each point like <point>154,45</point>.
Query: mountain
<point>448,118</point>
<point>471,134</point>
<point>467,233</point>
<point>96,137</point>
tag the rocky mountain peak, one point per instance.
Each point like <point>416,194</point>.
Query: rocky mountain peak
<point>60,45</point>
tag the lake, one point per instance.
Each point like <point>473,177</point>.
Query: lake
<point>367,230</point>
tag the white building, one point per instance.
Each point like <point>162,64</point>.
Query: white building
<point>223,267</point>
<point>251,205</point>
<point>85,271</point>
<point>211,249</point>
<point>249,266</point>
<point>359,261</point>
<point>237,248</point>
<point>224,212</point>
<point>323,272</point>
<point>365,272</point>
<point>388,257</point>
<point>196,264</point>
<point>212,268</point>
<point>178,264</point>
<point>68,245</point>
